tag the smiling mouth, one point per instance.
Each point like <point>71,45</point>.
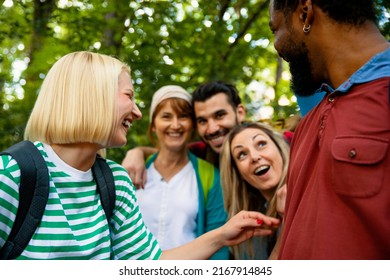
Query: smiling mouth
<point>262,170</point>
<point>217,138</point>
<point>126,124</point>
<point>174,134</point>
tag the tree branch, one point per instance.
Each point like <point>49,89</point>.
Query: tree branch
<point>245,28</point>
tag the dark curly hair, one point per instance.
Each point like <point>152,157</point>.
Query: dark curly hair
<point>353,12</point>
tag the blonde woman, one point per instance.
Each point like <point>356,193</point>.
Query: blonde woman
<point>86,104</point>
<point>254,164</point>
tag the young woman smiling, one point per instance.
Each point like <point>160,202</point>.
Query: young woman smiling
<point>254,162</point>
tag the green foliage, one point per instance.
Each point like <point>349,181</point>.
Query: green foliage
<point>384,17</point>
<point>164,42</point>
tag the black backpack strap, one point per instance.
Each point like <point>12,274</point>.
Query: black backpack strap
<point>104,178</point>
<point>33,196</point>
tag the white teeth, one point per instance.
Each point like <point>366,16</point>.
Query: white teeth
<point>261,168</point>
<point>217,140</point>
<point>127,123</point>
<point>174,134</point>
<point>264,167</point>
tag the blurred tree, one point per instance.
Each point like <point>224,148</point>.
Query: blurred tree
<point>165,42</point>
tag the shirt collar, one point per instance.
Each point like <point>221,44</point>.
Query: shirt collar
<point>377,67</point>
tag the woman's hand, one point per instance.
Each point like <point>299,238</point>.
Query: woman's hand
<point>245,225</point>
<point>239,228</point>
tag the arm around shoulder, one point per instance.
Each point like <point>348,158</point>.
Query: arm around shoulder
<point>134,163</point>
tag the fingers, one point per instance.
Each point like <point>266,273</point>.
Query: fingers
<point>135,166</point>
<point>260,219</point>
<point>246,224</point>
<point>126,163</point>
<point>138,177</point>
<point>143,178</point>
<point>259,224</point>
<point>137,181</point>
<point>281,195</point>
<point>262,232</point>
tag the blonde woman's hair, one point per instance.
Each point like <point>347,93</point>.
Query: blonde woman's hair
<point>77,100</point>
<point>238,194</point>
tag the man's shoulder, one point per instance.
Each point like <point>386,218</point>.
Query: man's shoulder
<point>197,145</point>
<point>198,148</point>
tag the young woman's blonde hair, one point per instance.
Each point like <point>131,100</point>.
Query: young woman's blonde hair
<point>238,194</point>
<point>77,100</point>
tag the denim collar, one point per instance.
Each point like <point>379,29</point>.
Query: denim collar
<point>377,67</point>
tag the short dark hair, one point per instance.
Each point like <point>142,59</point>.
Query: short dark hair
<point>209,89</point>
<point>353,12</point>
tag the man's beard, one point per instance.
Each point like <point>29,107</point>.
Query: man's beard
<point>222,132</point>
<point>302,81</point>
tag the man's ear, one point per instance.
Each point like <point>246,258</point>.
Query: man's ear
<point>241,113</point>
<point>306,14</point>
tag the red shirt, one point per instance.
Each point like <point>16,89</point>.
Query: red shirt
<point>338,198</point>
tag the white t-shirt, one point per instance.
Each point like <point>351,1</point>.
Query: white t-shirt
<point>170,209</point>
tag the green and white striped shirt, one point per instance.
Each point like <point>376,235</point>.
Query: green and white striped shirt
<point>74,225</point>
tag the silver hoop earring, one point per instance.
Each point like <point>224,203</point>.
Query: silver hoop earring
<point>306,29</point>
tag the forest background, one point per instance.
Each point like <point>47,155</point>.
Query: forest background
<point>165,42</point>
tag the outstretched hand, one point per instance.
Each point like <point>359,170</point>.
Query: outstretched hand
<point>239,228</point>
<point>245,225</point>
